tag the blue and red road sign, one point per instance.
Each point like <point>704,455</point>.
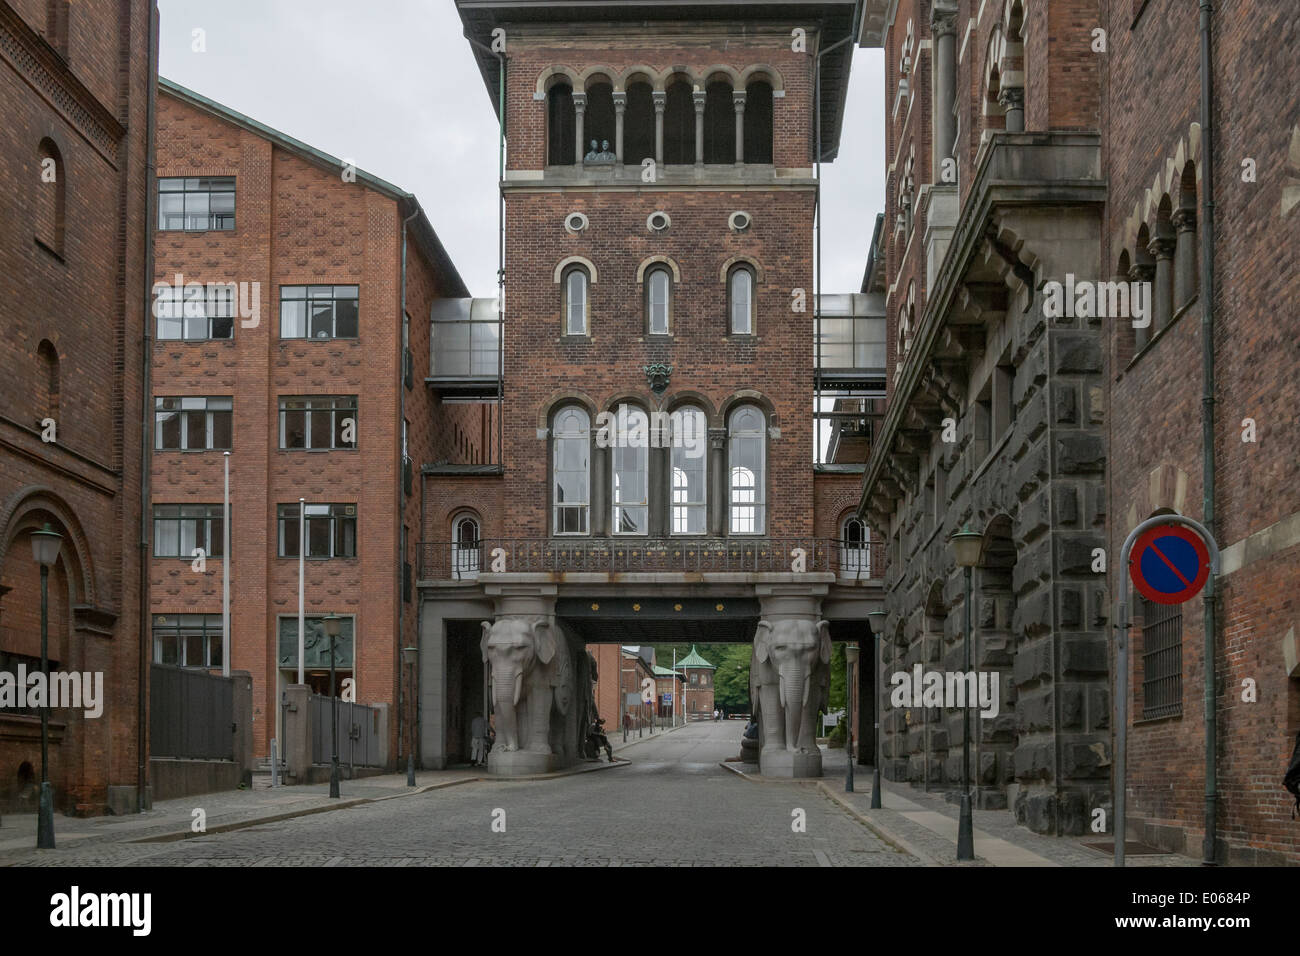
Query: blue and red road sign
<point>1169,564</point>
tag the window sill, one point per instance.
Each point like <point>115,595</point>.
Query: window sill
<point>192,451</point>
<point>197,232</point>
<point>310,559</point>
<point>574,339</point>
<point>316,451</point>
<point>167,343</point>
<point>1158,335</point>
<point>1147,721</point>
<point>293,340</point>
<point>742,337</point>
<point>988,459</point>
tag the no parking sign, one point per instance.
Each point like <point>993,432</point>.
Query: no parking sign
<point>1169,564</point>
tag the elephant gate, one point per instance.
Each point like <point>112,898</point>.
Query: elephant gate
<point>537,669</point>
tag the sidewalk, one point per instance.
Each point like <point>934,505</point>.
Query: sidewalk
<point>925,825</point>
<point>235,809</point>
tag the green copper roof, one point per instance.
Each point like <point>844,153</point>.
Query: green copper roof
<point>659,671</point>
<point>693,659</point>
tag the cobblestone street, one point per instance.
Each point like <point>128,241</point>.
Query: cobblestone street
<point>673,805</point>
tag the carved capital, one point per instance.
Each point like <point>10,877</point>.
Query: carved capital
<point>1184,219</point>
<point>1012,98</point>
<point>738,101</point>
<point>580,102</point>
<point>660,101</point>
<point>1162,247</point>
<point>1142,272</point>
<point>943,20</point>
<point>620,102</point>
<point>700,99</point>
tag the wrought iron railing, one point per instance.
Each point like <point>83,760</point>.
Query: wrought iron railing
<point>848,560</point>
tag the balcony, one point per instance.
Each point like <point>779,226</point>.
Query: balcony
<point>465,349</point>
<point>848,560</point>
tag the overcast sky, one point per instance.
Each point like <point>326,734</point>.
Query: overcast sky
<point>391,85</point>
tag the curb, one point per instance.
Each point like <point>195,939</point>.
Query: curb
<point>890,837</point>
<point>662,733</point>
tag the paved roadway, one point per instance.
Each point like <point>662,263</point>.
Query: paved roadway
<point>673,805</point>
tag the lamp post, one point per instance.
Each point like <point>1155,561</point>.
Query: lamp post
<point>877,627</point>
<point>409,655</point>
<point>850,658</point>
<point>966,546</point>
<point>45,551</point>
<point>332,625</point>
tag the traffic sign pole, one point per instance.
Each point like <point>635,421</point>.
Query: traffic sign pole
<point>1119,776</point>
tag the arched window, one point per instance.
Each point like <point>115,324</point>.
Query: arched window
<point>598,120</point>
<point>758,122</point>
<point>855,549</point>
<point>465,546</point>
<point>747,465</point>
<point>51,193</point>
<point>740,300</point>
<point>719,124</point>
<point>679,124</point>
<point>560,125</point>
<point>658,300</point>
<point>571,471</point>
<point>690,445</point>
<point>49,383</point>
<point>639,124</point>
<point>576,282</point>
<point>630,461</point>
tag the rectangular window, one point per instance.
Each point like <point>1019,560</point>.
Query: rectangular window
<point>9,664</point>
<point>1162,660</point>
<point>204,204</point>
<point>179,529</point>
<point>1004,410</point>
<point>189,640</point>
<point>195,312</point>
<point>318,421</point>
<point>319,312</point>
<point>331,530</point>
<point>192,423</point>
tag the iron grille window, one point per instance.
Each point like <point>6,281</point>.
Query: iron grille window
<point>190,640</point>
<point>179,529</point>
<point>196,205</point>
<point>319,311</point>
<point>1162,660</point>
<point>195,312</point>
<point>318,421</point>
<point>192,423</point>
<point>331,530</point>
<point>9,664</point>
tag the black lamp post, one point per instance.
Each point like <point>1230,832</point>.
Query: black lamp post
<point>850,658</point>
<point>966,546</point>
<point>877,626</point>
<point>45,550</point>
<point>410,655</point>
<point>332,625</point>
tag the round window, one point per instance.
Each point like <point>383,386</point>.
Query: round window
<point>740,221</point>
<point>658,221</point>
<point>576,222</point>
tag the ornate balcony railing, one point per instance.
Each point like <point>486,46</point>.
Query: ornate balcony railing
<point>846,559</point>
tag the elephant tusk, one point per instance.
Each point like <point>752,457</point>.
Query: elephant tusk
<point>519,686</point>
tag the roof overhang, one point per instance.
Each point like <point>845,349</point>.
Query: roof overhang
<point>835,18</point>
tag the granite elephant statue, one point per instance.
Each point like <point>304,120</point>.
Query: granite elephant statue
<point>532,684</point>
<point>789,681</point>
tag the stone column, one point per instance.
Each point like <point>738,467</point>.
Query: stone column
<point>700,99</point>
<point>943,30</point>
<point>717,479</point>
<point>579,112</point>
<point>1184,256</point>
<point>1143,272</point>
<point>1012,100</point>
<point>1162,297</point>
<point>792,648</point>
<point>738,103</point>
<point>661,103</point>
<point>620,106</point>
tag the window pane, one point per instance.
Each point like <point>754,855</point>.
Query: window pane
<point>216,538</point>
<point>321,425</point>
<point>164,536</point>
<point>196,326</point>
<point>345,422</point>
<point>577,284</point>
<point>289,533</point>
<point>346,319</point>
<point>223,327</point>
<point>194,656</point>
<point>345,537</point>
<point>318,537</point>
<point>196,211</point>
<point>294,428</point>
<point>741,292</point>
<point>221,429</point>
<point>659,301</point>
<point>196,429</point>
<point>214,646</point>
<point>169,430</point>
<point>293,319</point>
<point>322,320</point>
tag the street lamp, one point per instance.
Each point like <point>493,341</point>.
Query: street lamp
<point>877,628</point>
<point>850,658</point>
<point>45,551</point>
<point>409,655</point>
<point>332,625</point>
<point>966,547</point>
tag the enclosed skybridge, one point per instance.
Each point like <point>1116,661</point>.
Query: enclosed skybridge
<point>465,350</point>
<point>849,361</point>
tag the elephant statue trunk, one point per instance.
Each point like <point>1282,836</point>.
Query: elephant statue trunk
<point>505,699</point>
<point>794,678</point>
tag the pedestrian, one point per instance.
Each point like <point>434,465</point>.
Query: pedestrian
<point>478,738</point>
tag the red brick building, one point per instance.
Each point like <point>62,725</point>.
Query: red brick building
<point>697,685</point>
<point>293,292</point>
<point>75,87</point>
<point>659,195</point>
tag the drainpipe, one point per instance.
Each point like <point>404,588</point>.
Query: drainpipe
<point>1207,420</point>
<point>401,491</point>
<point>146,417</point>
